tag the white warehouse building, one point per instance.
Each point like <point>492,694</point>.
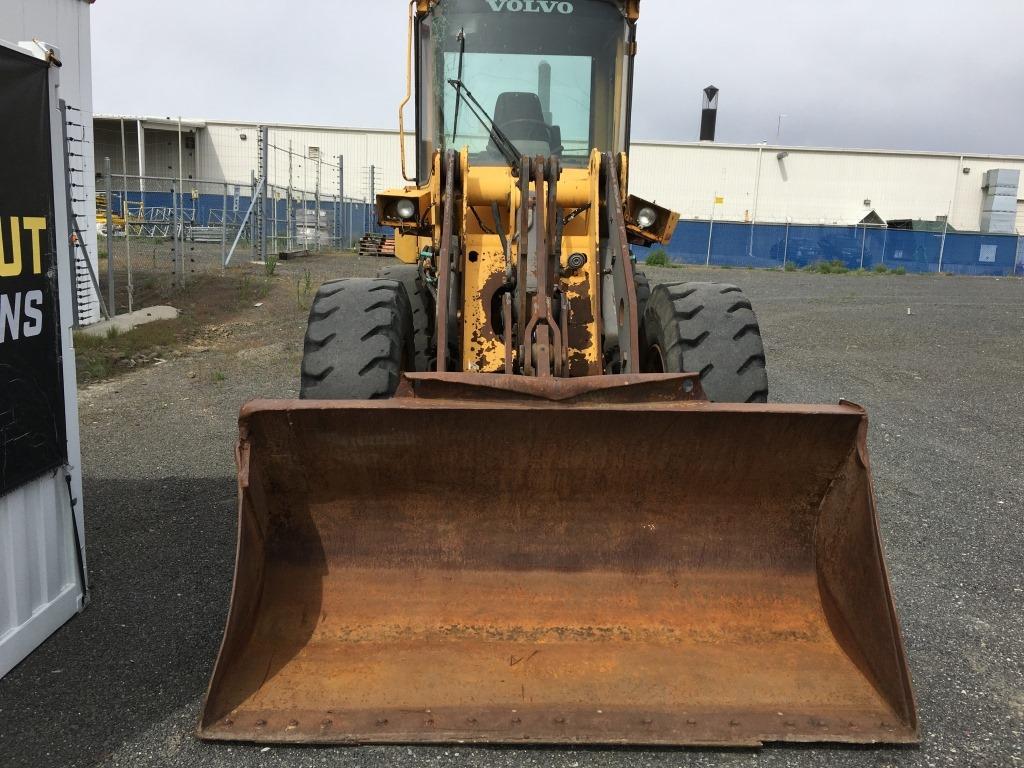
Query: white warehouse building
<point>762,183</point>
<point>817,186</point>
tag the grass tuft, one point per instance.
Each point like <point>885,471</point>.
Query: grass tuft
<point>658,258</point>
<point>99,357</point>
<point>270,265</point>
<point>834,267</point>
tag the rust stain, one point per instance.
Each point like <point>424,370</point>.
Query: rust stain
<point>679,613</point>
<point>514,661</point>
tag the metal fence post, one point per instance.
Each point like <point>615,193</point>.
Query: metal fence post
<point>264,199</point>
<point>785,248</point>
<point>711,233</point>
<point>319,170</point>
<point>289,206</point>
<point>125,211</point>
<point>863,245</point>
<point>341,200</point>
<point>289,224</point>
<point>945,229</point>
<point>373,198</point>
<point>110,235</point>
<point>180,211</point>
<point>175,243</point>
<point>224,228</point>
<point>252,228</point>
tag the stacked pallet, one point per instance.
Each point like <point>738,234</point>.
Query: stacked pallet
<point>376,245</point>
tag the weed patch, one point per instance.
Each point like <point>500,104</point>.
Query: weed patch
<point>658,258</point>
<point>834,267</point>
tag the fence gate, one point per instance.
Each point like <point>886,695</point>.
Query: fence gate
<point>42,559</point>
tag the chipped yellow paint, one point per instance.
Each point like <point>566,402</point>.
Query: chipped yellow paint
<point>484,264</point>
<point>483,350</point>
<point>583,290</point>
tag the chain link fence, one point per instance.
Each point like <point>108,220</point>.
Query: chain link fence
<point>169,230</point>
<point>184,198</point>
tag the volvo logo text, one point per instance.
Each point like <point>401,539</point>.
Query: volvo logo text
<point>531,6</point>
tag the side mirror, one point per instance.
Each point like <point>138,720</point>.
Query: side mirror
<point>556,139</point>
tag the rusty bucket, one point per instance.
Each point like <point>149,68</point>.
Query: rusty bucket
<point>515,570</point>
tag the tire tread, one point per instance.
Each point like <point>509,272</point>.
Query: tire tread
<point>421,304</point>
<point>358,341</point>
<point>710,329</point>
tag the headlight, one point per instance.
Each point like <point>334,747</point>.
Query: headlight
<point>646,218</point>
<point>406,209</point>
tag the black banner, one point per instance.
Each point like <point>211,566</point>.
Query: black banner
<point>32,428</point>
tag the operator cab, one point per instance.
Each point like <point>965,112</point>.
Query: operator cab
<point>553,78</point>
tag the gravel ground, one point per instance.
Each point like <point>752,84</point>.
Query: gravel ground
<point>121,684</point>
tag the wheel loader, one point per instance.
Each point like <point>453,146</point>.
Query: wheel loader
<point>525,496</point>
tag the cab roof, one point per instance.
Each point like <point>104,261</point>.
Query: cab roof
<point>630,8</point>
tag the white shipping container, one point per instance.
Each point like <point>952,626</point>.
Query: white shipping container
<point>42,557</point>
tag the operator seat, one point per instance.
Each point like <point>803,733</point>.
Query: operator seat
<point>520,116</point>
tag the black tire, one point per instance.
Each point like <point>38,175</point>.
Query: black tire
<point>358,342</point>
<point>710,329</point>
<point>421,302</point>
<point>643,292</point>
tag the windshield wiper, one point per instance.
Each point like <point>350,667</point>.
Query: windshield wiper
<point>501,141</point>
<point>458,95</point>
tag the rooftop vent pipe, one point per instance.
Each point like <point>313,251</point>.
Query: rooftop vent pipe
<point>709,115</point>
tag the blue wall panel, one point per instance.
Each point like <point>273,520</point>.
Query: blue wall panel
<point>771,246</point>
<point>206,211</point>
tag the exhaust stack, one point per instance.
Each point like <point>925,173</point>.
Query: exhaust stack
<point>709,115</point>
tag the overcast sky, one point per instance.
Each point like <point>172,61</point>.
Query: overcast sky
<point>902,74</point>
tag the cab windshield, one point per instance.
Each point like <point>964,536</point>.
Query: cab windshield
<point>551,75</point>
